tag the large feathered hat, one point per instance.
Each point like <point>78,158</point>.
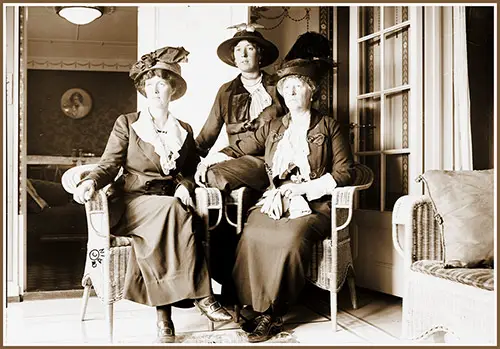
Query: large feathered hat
<point>309,56</point>
<point>166,58</point>
<point>269,51</point>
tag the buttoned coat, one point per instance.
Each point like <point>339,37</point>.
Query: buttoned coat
<point>231,107</point>
<point>139,160</point>
<point>329,150</point>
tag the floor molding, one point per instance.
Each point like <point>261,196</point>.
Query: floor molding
<point>41,295</point>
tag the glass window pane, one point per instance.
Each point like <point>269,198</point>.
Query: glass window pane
<point>396,179</point>
<point>369,199</point>
<point>394,15</point>
<point>396,121</point>
<point>396,58</point>
<point>369,66</point>
<point>369,124</point>
<point>369,20</point>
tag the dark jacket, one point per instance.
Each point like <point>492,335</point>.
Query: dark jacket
<point>329,150</point>
<point>140,162</point>
<point>231,107</point>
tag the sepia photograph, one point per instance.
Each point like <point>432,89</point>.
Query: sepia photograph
<point>231,174</point>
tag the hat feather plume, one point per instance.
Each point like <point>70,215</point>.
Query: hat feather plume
<point>309,45</point>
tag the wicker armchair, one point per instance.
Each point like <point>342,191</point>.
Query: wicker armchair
<point>107,255</point>
<point>327,263</point>
<point>458,301</point>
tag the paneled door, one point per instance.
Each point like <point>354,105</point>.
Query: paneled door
<point>385,131</point>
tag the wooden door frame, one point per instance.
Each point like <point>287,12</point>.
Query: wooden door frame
<point>15,152</point>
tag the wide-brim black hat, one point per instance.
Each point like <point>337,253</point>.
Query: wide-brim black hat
<point>309,56</point>
<point>315,69</point>
<point>269,51</point>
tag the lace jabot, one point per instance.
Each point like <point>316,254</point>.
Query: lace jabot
<point>259,95</point>
<point>166,143</point>
<point>293,149</point>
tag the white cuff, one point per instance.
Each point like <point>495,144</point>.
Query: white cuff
<point>215,158</point>
<point>321,186</point>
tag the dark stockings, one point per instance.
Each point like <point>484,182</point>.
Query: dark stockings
<point>164,313</point>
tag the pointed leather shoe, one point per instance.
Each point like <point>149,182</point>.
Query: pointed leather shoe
<point>249,325</point>
<point>212,309</point>
<point>266,328</point>
<point>166,332</point>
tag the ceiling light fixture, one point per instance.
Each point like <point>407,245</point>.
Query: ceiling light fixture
<point>81,15</point>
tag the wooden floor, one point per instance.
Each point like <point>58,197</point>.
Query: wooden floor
<point>56,321</point>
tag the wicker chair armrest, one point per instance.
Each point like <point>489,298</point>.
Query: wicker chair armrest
<point>209,199</point>
<point>343,197</point>
<point>415,217</point>
<point>242,198</point>
<point>74,175</point>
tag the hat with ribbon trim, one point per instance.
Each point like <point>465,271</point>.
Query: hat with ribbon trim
<point>166,58</point>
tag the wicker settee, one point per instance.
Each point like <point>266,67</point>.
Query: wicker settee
<point>457,301</point>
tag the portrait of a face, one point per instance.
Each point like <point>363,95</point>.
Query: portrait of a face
<point>76,103</point>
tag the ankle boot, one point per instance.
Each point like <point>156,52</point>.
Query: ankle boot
<point>165,326</point>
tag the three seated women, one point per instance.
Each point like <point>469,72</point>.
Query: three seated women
<point>305,156</point>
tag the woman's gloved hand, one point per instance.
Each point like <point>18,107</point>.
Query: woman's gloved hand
<point>84,191</point>
<point>183,194</point>
<point>272,204</point>
<point>200,177</point>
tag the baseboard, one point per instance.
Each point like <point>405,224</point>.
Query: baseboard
<point>41,295</point>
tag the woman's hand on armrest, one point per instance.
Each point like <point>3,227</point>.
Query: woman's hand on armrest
<point>200,176</point>
<point>84,191</point>
<point>313,189</point>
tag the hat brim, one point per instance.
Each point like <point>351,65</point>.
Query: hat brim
<point>314,69</point>
<point>180,83</point>
<point>269,54</point>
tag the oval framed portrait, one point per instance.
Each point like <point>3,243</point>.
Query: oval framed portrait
<point>76,103</point>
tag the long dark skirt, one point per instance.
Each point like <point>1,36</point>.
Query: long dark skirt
<point>272,257</point>
<point>166,264</point>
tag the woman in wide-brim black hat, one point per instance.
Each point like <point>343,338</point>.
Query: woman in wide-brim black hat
<point>306,156</point>
<point>158,155</point>
<point>242,105</point>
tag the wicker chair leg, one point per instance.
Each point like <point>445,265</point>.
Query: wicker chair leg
<point>333,309</point>
<point>85,299</point>
<point>352,289</point>
<point>210,325</point>
<point>237,311</point>
<point>109,321</point>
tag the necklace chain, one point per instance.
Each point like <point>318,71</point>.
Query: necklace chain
<point>157,131</point>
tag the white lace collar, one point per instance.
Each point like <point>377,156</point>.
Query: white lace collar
<point>166,145</point>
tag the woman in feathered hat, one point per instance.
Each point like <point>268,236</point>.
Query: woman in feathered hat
<point>242,105</point>
<point>158,155</point>
<point>306,156</point>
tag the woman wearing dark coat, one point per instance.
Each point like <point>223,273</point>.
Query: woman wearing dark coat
<point>306,156</point>
<point>158,155</point>
<point>243,105</point>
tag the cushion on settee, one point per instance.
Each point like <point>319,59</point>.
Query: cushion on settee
<point>463,201</point>
<point>52,193</point>
<point>477,277</point>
